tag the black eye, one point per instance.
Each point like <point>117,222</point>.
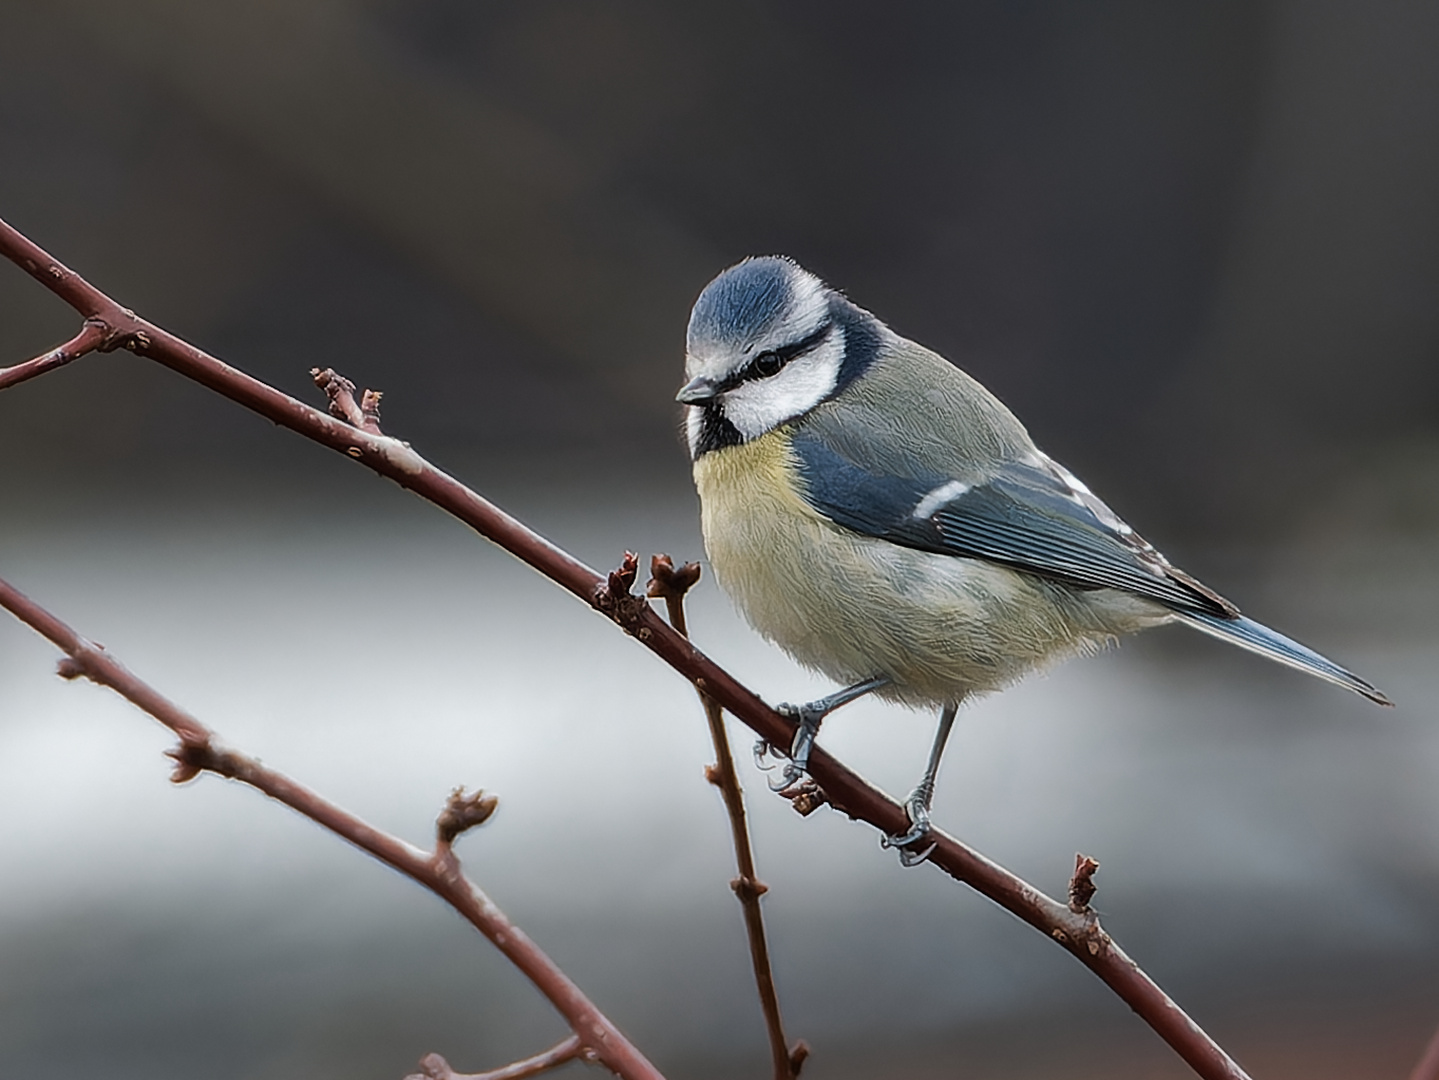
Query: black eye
<point>767,364</point>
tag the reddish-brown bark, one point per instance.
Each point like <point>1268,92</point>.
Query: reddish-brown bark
<point>1079,933</point>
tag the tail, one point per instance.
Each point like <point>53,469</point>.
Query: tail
<point>1257,638</point>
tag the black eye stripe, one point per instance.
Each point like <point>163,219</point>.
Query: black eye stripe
<point>805,344</point>
<point>771,361</point>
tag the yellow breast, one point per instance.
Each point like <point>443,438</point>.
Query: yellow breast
<point>763,540</point>
<point>855,606</point>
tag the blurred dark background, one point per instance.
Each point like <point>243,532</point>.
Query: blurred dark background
<point>1195,247</point>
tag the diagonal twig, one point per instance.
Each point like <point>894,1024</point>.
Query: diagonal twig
<point>1428,1067</point>
<point>91,337</point>
<point>434,1067</point>
<point>670,583</point>
<point>1080,934</point>
<point>439,871</point>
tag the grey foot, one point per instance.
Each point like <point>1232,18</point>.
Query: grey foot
<point>790,775</point>
<point>808,718</point>
<point>916,808</point>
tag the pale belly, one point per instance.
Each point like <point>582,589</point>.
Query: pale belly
<point>854,607</point>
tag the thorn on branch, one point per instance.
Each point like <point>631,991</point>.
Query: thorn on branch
<point>614,597</point>
<point>462,813</point>
<point>364,415</point>
<point>1081,885</point>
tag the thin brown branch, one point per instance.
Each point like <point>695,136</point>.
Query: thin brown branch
<point>198,751</point>
<point>847,791</point>
<point>1428,1067</point>
<point>90,338</point>
<point>670,584</point>
<point>434,1067</point>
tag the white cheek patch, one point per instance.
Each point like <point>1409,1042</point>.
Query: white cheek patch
<point>694,423</point>
<point>761,405</point>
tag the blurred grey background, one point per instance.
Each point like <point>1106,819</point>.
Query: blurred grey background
<point>1195,247</point>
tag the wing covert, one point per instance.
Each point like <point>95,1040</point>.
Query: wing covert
<point>1035,517</point>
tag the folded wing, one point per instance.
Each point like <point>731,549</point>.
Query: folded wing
<point>1034,516</point>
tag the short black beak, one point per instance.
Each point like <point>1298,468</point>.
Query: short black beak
<point>698,391</point>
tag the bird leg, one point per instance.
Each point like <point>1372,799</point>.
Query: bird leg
<point>810,716</point>
<point>916,807</point>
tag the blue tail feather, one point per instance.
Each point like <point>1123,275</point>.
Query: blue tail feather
<point>1258,638</point>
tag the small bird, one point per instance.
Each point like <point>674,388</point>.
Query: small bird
<point>885,520</point>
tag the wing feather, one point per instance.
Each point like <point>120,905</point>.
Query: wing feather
<point>1034,516</point>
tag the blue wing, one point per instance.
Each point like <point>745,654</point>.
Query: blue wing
<point>1036,518</point>
<point>1041,519</point>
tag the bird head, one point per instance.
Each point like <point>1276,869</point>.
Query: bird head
<point>767,342</point>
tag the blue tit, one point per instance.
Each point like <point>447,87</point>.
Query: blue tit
<point>886,521</point>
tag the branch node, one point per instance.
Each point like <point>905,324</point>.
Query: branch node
<point>667,580</point>
<point>713,775</point>
<point>797,1055</point>
<point>370,411</point>
<point>748,888</point>
<point>364,415</point>
<point>119,333</point>
<point>73,666</point>
<point>1082,887</point>
<point>670,585</point>
<point>613,597</point>
<point>432,1067</point>
<point>462,813</point>
<point>191,759</point>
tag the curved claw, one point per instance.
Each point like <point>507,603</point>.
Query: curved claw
<point>791,776</point>
<point>762,751</point>
<point>912,858</point>
<point>918,814</point>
